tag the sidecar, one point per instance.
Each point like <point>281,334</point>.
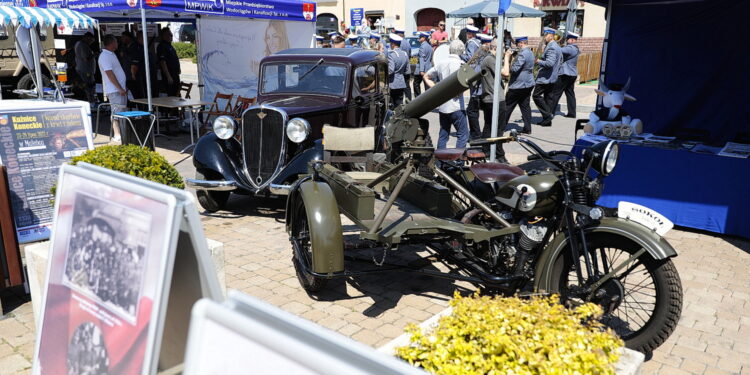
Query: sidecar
<point>390,204</point>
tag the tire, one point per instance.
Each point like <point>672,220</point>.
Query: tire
<point>661,321</point>
<point>301,233</point>
<point>211,201</point>
<point>27,82</point>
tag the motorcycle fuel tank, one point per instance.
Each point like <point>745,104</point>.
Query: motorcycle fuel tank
<point>533,195</point>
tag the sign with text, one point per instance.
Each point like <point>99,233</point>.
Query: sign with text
<point>357,15</point>
<point>554,4</point>
<point>33,145</point>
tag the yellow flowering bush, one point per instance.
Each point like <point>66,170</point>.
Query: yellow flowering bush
<point>495,335</point>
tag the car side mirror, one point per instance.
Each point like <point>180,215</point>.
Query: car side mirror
<point>359,100</point>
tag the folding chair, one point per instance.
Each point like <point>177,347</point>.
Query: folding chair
<point>241,105</point>
<point>185,88</point>
<point>216,109</point>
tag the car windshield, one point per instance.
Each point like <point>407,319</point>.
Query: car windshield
<point>304,78</point>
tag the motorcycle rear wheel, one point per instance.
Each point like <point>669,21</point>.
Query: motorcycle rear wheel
<point>644,325</point>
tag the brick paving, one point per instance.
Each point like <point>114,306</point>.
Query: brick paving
<point>712,336</point>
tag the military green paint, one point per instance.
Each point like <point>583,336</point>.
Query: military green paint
<point>654,244</point>
<point>324,220</point>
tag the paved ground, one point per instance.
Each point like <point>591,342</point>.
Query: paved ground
<point>711,338</point>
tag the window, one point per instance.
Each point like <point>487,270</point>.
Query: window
<point>364,79</point>
<point>3,32</point>
<point>556,19</point>
<point>303,78</point>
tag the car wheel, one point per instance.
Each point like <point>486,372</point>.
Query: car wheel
<point>27,82</point>
<point>211,201</point>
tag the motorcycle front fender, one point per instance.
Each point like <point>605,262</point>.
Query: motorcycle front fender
<point>655,245</point>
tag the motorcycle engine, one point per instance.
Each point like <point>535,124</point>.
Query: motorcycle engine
<point>532,234</point>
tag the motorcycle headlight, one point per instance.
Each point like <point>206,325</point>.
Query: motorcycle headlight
<point>224,127</point>
<point>297,129</point>
<point>605,155</point>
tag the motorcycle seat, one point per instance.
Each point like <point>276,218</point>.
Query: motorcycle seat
<point>449,154</point>
<point>475,154</point>
<point>495,172</point>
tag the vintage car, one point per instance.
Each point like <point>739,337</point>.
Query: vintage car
<point>300,91</point>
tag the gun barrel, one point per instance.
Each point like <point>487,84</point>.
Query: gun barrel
<point>443,91</point>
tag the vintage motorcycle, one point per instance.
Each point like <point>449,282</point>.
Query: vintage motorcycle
<point>529,230</point>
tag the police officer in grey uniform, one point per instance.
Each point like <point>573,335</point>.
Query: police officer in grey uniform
<point>425,62</point>
<point>546,77</point>
<point>398,62</point>
<point>568,73</point>
<point>406,47</point>
<point>521,72</point>
<point>478,43</point>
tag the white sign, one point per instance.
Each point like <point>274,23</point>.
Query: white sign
<point>151,28</point>
<point>644,216</point>
<point>115,29</point>
<point>228,66</point>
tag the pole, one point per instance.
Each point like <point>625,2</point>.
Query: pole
<point>35,52</point>
<point>498,68</point>
<point>145,58</point>
<point>605,47</point>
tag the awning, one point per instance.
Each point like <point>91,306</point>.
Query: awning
<point>31,16</point>
<point>486,9</point>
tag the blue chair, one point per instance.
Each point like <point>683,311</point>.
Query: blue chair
<point>133,115</point>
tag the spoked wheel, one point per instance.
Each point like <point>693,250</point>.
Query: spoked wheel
<point>301,234</point>
<point>642,302</point>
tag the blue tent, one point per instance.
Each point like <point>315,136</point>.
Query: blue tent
<point>686,61</point>
<point>490,8</point>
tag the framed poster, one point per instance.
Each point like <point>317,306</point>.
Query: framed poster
<point>36,137</point>
<point>110,264</point>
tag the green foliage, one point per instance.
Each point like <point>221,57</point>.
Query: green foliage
<point>497,335</point>
<point>185,50</point>
<point>135,161</point>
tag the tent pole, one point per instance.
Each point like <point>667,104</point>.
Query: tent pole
<point>499,27</point>
<point>147,64</point>
<point>36,51</point>
<point>605,48</point>
<point>198,52</point>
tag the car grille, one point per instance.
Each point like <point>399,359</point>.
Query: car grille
<point>262,143</point>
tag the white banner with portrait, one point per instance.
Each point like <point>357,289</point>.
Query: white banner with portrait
<point>230,50</point>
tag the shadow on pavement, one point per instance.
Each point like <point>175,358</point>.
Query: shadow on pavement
<point>245,205</point>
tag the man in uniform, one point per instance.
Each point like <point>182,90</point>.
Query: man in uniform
<point>546,77</point>
<point>353,38</point>
<point>568,74</point>
<point>86,66</point>
<point>488,94</point>
<point>375,42</point>
<point>406,47</point>
<point>521,82</point>
<point>318,41</point>
<point>398,62</point>
<point>473,56</point>
<point>337,41</point>
<point>169,64</point>
<point>425,61</point>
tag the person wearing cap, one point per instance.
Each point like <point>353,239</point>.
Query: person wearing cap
<point>406,47</point>
<point>338,41</point>
<point>398,63</point>
<point>521,81</point>
<point>318,41</point>
<point>472,43</point>
<point>488,95</point>
<point>462,34</point>
<point>424,64</point>
<point>440,35</point>
<point>86,66</point>
<point>568,74</point>
<point>352,41</point>
<point>546,77</point>
<point>375,42</point>
<point>452,112</point>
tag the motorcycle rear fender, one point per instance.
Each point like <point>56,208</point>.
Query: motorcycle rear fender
<point>324,220</point>
<point>654,244</point>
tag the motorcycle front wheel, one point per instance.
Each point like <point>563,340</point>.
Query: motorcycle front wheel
<point>642,302</point>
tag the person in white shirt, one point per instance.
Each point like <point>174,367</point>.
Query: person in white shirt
<point>453,111</point>
<point>113,79</point>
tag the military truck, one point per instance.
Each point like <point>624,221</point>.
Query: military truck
<point>12,72</point>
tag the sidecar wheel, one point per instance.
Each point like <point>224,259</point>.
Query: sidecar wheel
<point>301,233</point>
<point>649,291</point>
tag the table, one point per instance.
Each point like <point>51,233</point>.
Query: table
<point>194,105</point>
<point>694,190</point>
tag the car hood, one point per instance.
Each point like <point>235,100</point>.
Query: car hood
<point>303,103</point>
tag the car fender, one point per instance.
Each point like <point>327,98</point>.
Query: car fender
<point>655,245</point>
<point>299,164</point>
<point>324,220</point>
<point>214,157</point>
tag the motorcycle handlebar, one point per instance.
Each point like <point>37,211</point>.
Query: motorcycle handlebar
<point>489,141</point>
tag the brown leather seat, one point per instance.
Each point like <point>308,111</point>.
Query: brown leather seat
<point>495,172</point>
<point>449,154</point>
<point>475,154</point>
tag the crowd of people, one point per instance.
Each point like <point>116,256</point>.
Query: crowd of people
<point>543,77</point>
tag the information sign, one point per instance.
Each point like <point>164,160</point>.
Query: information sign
<point>357,15</point>
<point>34,142</point>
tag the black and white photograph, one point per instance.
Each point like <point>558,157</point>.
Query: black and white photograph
<point>106,253</point>
<point>87,354</point>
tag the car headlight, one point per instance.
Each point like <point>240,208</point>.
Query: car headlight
<point>224,127</point>
<point>297,129</point>
<point>605,155</point>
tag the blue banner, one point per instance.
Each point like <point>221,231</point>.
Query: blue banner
<point>289,10</point>
<point>357,14</point>
<point>503,6</point>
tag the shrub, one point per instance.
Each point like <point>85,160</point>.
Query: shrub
<point>486,335</point>
<point>135,161</point>
<point>185,50</point>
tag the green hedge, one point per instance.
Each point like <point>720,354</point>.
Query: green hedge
<point>498,335</point>
<point>185,50</point>
<point>135,161</point>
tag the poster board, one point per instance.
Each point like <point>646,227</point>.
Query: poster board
<point>36,137</point>
<point>248,336</point>
<point>226,64</point>
<point>11,267</point>
<point>117,312</point>
<point>115,29</point>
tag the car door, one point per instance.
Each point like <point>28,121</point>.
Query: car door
<point>365,92</point>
